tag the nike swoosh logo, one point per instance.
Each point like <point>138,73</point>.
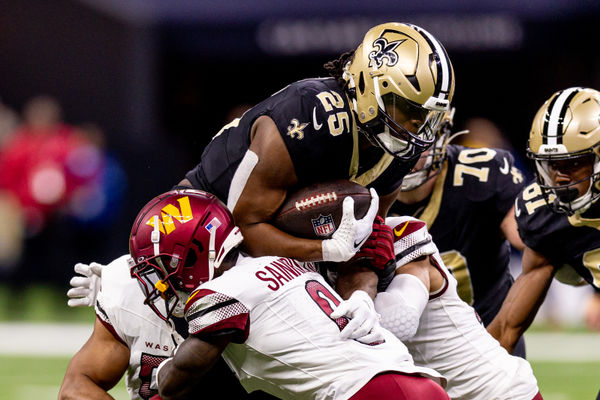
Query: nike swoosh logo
<point>360,242</point>
<point>517,210</point>
<point>316,123</point>
<point>401,231</point>
<point>506,168</point>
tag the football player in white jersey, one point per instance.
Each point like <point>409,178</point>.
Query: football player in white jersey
<point>128,338</point>
<point>478,187</point>
<point>422,308</point>
<point>275,320</point>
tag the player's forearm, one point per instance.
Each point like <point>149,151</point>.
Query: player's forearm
<point>520,306</point>
<point>506,336</point>
<point>354,277</point>
<point>386,201</point>
<point>264,239</point>
<point>81,387</point>
<point>178,377</point>
<point>174,383</point>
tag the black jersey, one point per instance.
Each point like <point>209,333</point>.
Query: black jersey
<point>564,240</point>
<point>315,120</point>
<point>471,196</point>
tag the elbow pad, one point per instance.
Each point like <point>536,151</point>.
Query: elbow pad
<point>401,305</point>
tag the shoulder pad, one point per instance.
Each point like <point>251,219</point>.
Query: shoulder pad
<point>534,217</point>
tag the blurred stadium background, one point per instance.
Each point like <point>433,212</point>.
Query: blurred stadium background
<point>131,92</point>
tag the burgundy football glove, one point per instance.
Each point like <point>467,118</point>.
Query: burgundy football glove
<point>379,247</point>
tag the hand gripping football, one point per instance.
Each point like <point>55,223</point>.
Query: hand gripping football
<point>315,211</point>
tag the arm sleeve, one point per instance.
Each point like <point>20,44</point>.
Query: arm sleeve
<point>401,305</point>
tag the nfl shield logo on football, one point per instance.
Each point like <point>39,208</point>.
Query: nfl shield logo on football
<point>323,225</point>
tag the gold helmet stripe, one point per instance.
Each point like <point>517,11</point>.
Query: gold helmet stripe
<point>553,122</point>
<point>444,69</point>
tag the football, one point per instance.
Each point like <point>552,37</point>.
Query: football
<point>315,211</point>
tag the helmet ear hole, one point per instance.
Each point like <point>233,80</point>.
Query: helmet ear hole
<point>361,83</point>
<point>193,254</point>
<point>199,246</point>
<point>414,81</point>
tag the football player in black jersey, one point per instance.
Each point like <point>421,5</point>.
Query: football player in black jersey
<point>559,215</point>
<point>466,197</point>
<point>368,123</point>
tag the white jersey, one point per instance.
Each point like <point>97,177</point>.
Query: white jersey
<point>120,307</point>
<point>451,339</point>
<point>286,344</point>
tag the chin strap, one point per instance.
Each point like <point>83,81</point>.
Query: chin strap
<point>454,135</point>
<point>155,239</point>
<point>231,241</point>
<point>155,236</point>
<point>212,253</point>
<point>347,76</point>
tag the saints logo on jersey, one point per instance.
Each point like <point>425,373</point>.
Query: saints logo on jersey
<point>296,129</point>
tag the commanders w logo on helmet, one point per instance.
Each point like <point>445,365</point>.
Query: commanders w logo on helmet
<point>168,265</point>
<point>169,212</point>
<point>384,51</point>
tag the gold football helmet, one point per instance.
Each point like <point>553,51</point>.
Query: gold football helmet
<point>567,127</point>
<point>401,82</point>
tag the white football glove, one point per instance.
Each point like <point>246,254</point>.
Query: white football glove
<point>364,320</point>
<point>352,233</point>
<point>85,288</point>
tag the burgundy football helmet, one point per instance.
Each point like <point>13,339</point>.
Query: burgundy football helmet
<point>177,241</point>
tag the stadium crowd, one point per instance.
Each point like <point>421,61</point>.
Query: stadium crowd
<point>56,177</point>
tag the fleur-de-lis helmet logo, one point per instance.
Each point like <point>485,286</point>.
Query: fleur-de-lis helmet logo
<point>384,52</point>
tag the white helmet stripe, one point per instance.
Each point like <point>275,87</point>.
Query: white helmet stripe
<point>445,77</point>
<point>378,93</point>
<point>155,235</point>
<point>556,113</point>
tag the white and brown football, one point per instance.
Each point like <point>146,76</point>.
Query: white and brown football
<point>315,211</point>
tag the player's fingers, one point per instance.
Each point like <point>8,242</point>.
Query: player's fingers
<point>78,292</point>
<point>80,281</point>
<point>340,311</point>
<point>82,269</point>
<point>348,208</point>
<point>96,268</point>
<point>81,302</point>
<point>372,337</point>
<point>353,325</point>
<point>361,330</point>
<point>373,207</point>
